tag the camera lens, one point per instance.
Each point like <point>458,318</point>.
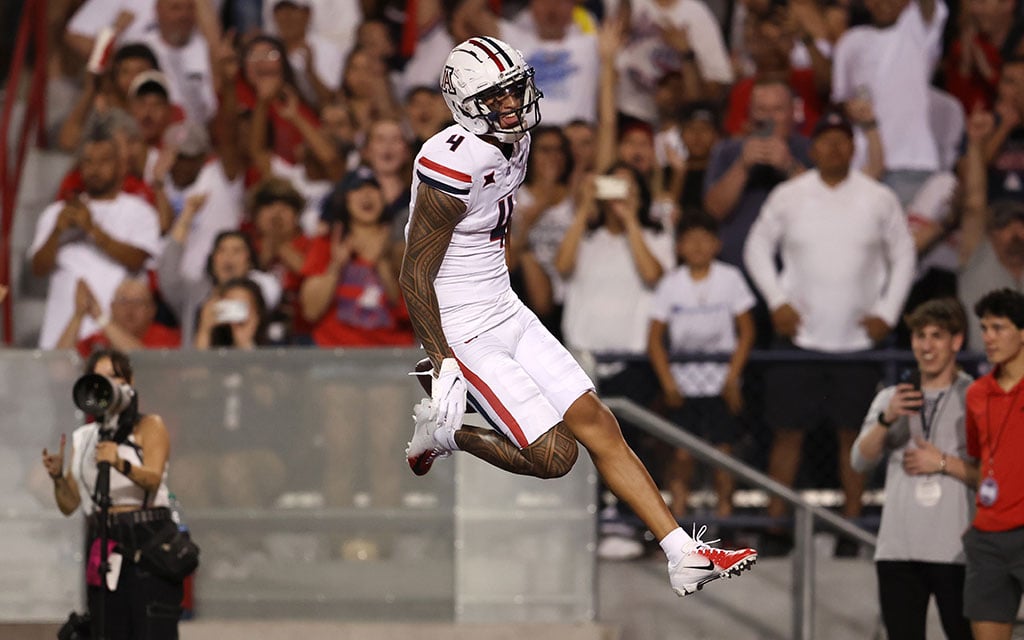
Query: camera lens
<point>93,394</point>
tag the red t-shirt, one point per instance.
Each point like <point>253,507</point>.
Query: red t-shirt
<point>287,137</point>
<point>995,436</point>
<point>156,337</point>
<point>360,314</point>
<point>807,105</point>
<point>291,281</point>
<point>972,90</point>
<point>73,184</point>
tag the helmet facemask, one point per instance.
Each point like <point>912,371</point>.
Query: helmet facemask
<point>487,103</point>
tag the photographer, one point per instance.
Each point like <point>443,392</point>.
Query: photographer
<point>917,427</point>
<point>137,602</point>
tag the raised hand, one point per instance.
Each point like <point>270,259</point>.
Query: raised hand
<point>906,401</point>
<point>980,125</point>
<point>54,462</point>
<point>85,301</point>
<point>611,36</point>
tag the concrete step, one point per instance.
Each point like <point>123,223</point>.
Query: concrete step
<point>290,630</point>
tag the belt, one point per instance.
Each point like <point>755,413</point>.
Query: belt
<point>131,518</point>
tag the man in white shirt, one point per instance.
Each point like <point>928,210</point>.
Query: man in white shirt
<point>847,265</point>
<point>891,62</point>
<point>99,238</point>
<point>133,18</point>
<point>316,60</point>
<point>184,57</point>
<point>563,55</point>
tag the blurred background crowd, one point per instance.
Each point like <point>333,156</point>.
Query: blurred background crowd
<point>242,173</point>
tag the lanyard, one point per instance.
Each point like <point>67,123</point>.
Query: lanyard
<point>927,421</point>
<point>994,437</point>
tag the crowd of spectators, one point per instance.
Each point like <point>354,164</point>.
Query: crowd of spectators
<point>243,173</point>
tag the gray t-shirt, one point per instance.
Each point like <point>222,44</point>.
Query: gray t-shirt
<point>760,181</point>
<point>982,274</point>
<point>919,521</point>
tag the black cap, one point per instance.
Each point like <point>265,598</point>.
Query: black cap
<point>832,120</point>
<point>359,178</point>
<point>699,112</point>
<point>1004,211</point>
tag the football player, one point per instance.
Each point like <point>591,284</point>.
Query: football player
<point>483,340</point>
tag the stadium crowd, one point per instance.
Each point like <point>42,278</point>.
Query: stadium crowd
<point>243,173</point>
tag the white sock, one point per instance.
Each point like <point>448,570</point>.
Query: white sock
<point>676,545</point>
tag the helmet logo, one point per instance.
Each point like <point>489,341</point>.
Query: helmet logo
<point>446,80</point>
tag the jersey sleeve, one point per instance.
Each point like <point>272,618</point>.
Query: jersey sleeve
<point>445,163</point>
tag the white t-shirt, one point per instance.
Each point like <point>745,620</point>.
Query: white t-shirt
<point>314,191</point>
<point>335,21</point>
<point>566,71</point>
<point>188,71</point>
<point>94,15</point>
<point>545,236</point>
<point>646,57</point>
<point>328,60</point>
<point>846,253</point>
<point>895,65</point>
<point>700,315</point>
<point>126,218</point>
<point>472,284</point>
<point>425,66</point>
<point>222,211</point>
<point>607,305</point>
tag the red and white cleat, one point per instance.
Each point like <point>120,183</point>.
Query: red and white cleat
<point>703,564</point>
<point>423,449</point>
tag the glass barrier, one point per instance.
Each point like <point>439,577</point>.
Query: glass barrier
<point>290,471</point>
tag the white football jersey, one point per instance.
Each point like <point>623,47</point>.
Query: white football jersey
<point>473,290</point>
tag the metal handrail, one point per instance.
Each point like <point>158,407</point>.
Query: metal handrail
<point>32,26</point>
<point>806,514</point>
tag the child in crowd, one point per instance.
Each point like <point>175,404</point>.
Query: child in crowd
<point>703,306</point>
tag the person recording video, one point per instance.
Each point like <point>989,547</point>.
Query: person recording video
<point>139,600</point>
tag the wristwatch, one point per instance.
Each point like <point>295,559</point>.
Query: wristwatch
<point>126,468</point>
<point>882,421</point>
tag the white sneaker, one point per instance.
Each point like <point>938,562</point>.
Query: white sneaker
<point>423,449</point>
<point>704,564</point>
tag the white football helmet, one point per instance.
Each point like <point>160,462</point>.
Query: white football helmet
<point>482,70</point>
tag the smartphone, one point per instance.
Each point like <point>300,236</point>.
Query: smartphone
<point>231,311</point>
<point>912,377</point>
<point>610,188</point>
<point>764,128</point>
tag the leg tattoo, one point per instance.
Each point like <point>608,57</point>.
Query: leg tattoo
<point>550,456</point>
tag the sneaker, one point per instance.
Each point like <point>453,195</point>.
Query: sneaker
<point>704,564</point>
<point>423,449</point>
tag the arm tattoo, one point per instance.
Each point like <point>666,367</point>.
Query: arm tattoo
<point>550,456</point>
<point>434,217</point>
